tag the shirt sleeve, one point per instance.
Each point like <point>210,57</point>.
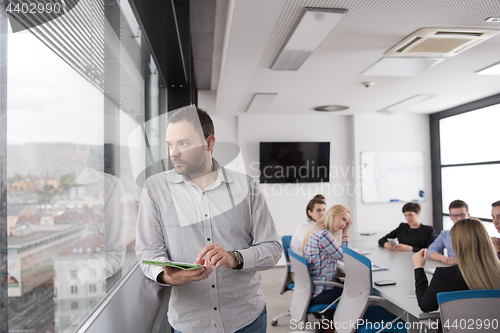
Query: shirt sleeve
<point>330,246</point>
<point>437,246</point>
<point>266,249</point>
<point>392,234</point>
<point>431,236</point>
<point>149,243</point>
<point>427,295</point>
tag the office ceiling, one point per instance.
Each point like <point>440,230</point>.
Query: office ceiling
<point>257,29</point>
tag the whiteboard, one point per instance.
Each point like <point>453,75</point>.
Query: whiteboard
<point>392,176</point>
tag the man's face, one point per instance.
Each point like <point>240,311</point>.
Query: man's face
<point>317,212</point>
<point>495,215</point>
<point>187,150</point>
<point>457,214</point>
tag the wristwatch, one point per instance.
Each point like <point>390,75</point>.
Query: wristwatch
<point>239,259</point>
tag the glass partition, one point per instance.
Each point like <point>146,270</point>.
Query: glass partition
<point>71,222</point>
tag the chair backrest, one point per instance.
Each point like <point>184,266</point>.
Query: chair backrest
<point>470,309</point>
<point>285,240</point>
<point>302,291</point>
<point>357,289</point>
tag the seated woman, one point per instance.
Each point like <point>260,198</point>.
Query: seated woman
<point>322,251</point>
<point>478,266</point>
<point>412,236</point>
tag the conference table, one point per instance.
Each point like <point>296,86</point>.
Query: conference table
<point>401,270</point>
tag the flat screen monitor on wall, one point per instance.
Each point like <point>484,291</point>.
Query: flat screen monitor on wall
<point>294,162</point>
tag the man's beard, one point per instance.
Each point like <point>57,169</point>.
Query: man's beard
<point>194,166</point>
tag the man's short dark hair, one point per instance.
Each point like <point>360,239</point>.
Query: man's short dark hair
<point>411,207</point>
<point>319,196</point>
<point>495,204</point>
<point>459,204</point>
<point>200,118</point>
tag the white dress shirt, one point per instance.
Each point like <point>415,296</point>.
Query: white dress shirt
<point>230,212</point>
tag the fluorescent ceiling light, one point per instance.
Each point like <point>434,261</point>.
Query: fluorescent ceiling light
<point>491,70</point>
<point>406,103</point>
<point>400,66</point>
<point>260,102</point>
<point>314,26</point>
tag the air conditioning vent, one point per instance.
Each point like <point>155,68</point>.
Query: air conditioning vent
<point>416,39</point>
<point>459,33</point>
<point>439,42</point>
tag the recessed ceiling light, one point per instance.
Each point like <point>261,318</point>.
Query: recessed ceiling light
<point>491,70</point>
<point>314,26</point>
<point>400,66</point>
<point>406,103</point>
<point>330,108</point>
<point>493,19</point>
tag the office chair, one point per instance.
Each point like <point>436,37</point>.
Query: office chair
<point>287,283</point>
<point>302,293</point>
<point>475,310</point>
<point>356,295</point>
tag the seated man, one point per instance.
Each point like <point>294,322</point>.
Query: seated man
<point>495,215</point>
<point>458,210</point>
<point>315,210</point>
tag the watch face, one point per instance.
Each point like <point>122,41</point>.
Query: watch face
<point>239,258</point>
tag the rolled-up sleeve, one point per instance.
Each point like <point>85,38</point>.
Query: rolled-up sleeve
<point>266,249</point>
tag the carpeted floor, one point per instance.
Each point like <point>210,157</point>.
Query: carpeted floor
<point>276,303</point>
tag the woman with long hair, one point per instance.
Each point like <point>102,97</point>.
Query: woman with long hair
<point>478,266</point>
<point>322,250</point>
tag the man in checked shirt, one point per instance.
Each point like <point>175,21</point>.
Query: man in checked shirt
<point>204,213</point>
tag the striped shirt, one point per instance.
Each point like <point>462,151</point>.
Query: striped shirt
<point>322,253</point>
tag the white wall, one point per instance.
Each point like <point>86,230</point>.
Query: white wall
<point>349,136</point>
<point>288,202</point>
<point>378,132</point>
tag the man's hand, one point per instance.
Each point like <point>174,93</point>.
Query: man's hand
<point>420,258</point>
<point>449,261</point>
<point>178,277</point>
<point>217,256</point>
<point>402,247</point>
<point>389,246</point>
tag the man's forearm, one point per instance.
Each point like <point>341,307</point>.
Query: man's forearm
<point>437,256</point>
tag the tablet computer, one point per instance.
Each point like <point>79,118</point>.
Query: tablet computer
<point>181,265</point>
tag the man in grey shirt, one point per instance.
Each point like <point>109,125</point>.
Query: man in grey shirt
<point>203,213</point>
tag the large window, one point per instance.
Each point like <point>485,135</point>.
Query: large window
<point>72,196</point>
<point>469,162</point>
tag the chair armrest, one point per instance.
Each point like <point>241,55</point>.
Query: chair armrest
<point>329,283</point>
<point>329,306</point>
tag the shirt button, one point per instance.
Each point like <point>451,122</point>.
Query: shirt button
<point>215,308</point>
<point>203,193</point>
<point>206,215</point>
<point>208,239</point>
<point>213,286</point>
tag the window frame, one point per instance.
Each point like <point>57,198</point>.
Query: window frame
<point>437,166</point>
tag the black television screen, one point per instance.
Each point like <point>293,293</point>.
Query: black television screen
<point>294,162</point>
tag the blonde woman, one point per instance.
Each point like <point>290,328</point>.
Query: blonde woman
<point>478,266</point>
<point>322,250</point>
